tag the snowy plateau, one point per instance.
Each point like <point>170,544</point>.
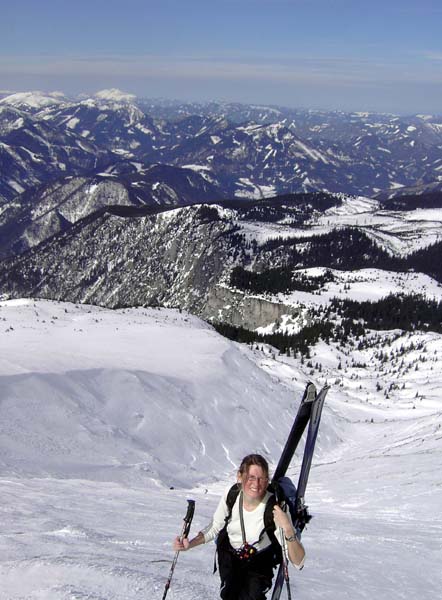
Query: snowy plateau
<point>111,419</point>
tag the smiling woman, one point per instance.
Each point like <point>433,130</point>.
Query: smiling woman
<point>250,530</point>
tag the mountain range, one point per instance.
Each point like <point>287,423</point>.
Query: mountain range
<point>118,202</point>
<point>242,150</point>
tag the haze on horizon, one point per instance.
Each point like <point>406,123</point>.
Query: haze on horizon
<point>319,54</point>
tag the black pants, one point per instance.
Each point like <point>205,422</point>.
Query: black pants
<point>244,580</point>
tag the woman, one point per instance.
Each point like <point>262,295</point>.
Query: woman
<point>245,549</point>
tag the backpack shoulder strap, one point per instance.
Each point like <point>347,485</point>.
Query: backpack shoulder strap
<point>270,528</point>
<point>232,495</point>
<point>269,523</point>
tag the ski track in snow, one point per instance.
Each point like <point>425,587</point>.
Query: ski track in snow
<point>102,411</point>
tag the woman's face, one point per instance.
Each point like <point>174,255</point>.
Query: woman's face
<point>254,483</point>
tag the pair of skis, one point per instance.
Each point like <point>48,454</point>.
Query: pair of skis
<point>309,412</point>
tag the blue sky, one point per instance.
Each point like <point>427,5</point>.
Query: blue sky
<point>329,54</point>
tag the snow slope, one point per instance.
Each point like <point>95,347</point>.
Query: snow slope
<point>103,412</point>
<point>137,394</point>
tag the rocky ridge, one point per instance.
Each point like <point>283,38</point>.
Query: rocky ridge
<point>245,263</point>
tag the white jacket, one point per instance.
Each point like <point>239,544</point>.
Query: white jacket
<point>253,525</point>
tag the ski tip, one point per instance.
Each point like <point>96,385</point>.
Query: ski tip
<point>310,392</point>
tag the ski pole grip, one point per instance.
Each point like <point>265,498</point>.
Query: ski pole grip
<point>189,516</point>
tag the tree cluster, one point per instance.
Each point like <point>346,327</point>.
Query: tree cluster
<point>347,249</point>
<point>280,279</point>
<point>404,312</point>
<point>414,201</point>
<point>295,207</point>
<point>428,261</point>
<point>285,343</point>
<point>350,249</point>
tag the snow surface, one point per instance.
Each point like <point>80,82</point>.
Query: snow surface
<point>72,123</point>
<point>102,412</point>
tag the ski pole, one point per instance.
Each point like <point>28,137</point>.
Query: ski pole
<point>184,533</point>
<point>285,558</point>
<point>285,561</point>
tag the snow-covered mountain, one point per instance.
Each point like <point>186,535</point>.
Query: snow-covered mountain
<point>33,152</point>
<point>31,101</point>
<point>109,420</point>
<point>120,126</point>
<point>243,150</point>
<point>45,210</point>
